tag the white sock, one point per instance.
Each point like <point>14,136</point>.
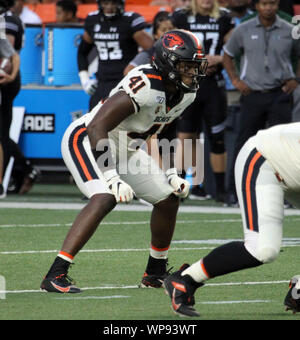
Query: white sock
<point>158,253</point>
<point>197,272</point>
<point>65,256</point>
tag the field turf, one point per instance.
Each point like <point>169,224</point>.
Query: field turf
<point>109,268</point>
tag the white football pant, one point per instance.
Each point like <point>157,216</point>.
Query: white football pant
<point>261,197</point>
<point>140,171</point>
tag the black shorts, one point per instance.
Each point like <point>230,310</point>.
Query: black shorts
<point>8,94</point>
<point>210,106</point>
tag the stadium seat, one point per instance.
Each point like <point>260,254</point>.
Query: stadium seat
<point>84,9</point>
<point>148,12</point>
<point>47,12</point>
<point>296,9</point>
<point>141,2</point>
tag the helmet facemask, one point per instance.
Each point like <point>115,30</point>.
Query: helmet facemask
<point>181,69</point>
<point>171,50</point>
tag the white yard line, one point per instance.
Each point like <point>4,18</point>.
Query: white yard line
<point>44,225</point>
<point>94,250</point>
<point>287,242</point>
<point>106,287</point>
<point>130,207</point>
<point>231,302</point>
<point>93,297</point>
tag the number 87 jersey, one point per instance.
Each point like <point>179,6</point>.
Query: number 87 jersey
<point>145,87</point>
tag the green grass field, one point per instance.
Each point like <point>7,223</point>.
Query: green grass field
<point>111,265</point>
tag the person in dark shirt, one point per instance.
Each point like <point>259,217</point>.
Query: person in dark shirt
<point>284,5</point>
<point>66,12</point>
<point>211,24</point>
<point>117,36</point>
<point>27,174</point>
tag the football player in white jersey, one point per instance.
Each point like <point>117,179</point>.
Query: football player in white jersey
<point>102,151</point>
<point>267,170</point>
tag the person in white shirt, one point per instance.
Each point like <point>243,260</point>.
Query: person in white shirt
<point>25,14</point>
<point>267,170</point>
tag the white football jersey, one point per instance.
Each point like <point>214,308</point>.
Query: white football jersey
<point>280,145</point>
<point>145,87</point>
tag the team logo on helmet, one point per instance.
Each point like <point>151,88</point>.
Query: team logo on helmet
<point>172,41</point>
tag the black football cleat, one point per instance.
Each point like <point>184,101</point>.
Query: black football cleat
<point>2,192</point>
<point>292,299</point>
<point>59,284</point>
<point>153,281</point>
<point>156,280</point>
<point>181,290</point>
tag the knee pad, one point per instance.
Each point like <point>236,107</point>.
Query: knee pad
<point>217,144</point>
<point>267,254</point>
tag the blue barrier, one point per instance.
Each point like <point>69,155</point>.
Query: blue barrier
<point>48,112</point>
<point>61,44</point>
<point>32,55</point>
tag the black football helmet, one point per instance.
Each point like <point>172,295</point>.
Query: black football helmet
<point>5,5</point>
<point>120,5</point>
<point>175,46</point>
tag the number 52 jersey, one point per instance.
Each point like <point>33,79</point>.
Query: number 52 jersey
<point>145,87</point>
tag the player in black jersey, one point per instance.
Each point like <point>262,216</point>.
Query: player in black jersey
<point>211,24</point>
<point>117,36</point>
<point>7,52</point>
<point>26,173</point>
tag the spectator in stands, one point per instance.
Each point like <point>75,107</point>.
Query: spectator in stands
<point>117,37</point>
<point>66,12</point>
<point>6,51</point>
<point>32,2</point>
<point>179,4</point>
<point>223,3</point>
<point>174,4</point>
<point>24,13</point>
<point>266,81</point>
<point>206,20</point>
<point>239,10</point>
<point>284,5</point>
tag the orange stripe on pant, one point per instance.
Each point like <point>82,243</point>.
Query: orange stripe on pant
<point>248,189</point>
<point>78,155</point>
<point>204,269</point>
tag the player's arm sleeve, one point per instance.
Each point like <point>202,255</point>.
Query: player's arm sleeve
<point>137,86</point>
<point>234,45</point>
<point>138,23</point>
<point>84,49</point>
<point>85,45</point>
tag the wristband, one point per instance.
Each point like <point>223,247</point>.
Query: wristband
<point>83,76</point>
<point>171,171</point>
<point>109,174</point>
